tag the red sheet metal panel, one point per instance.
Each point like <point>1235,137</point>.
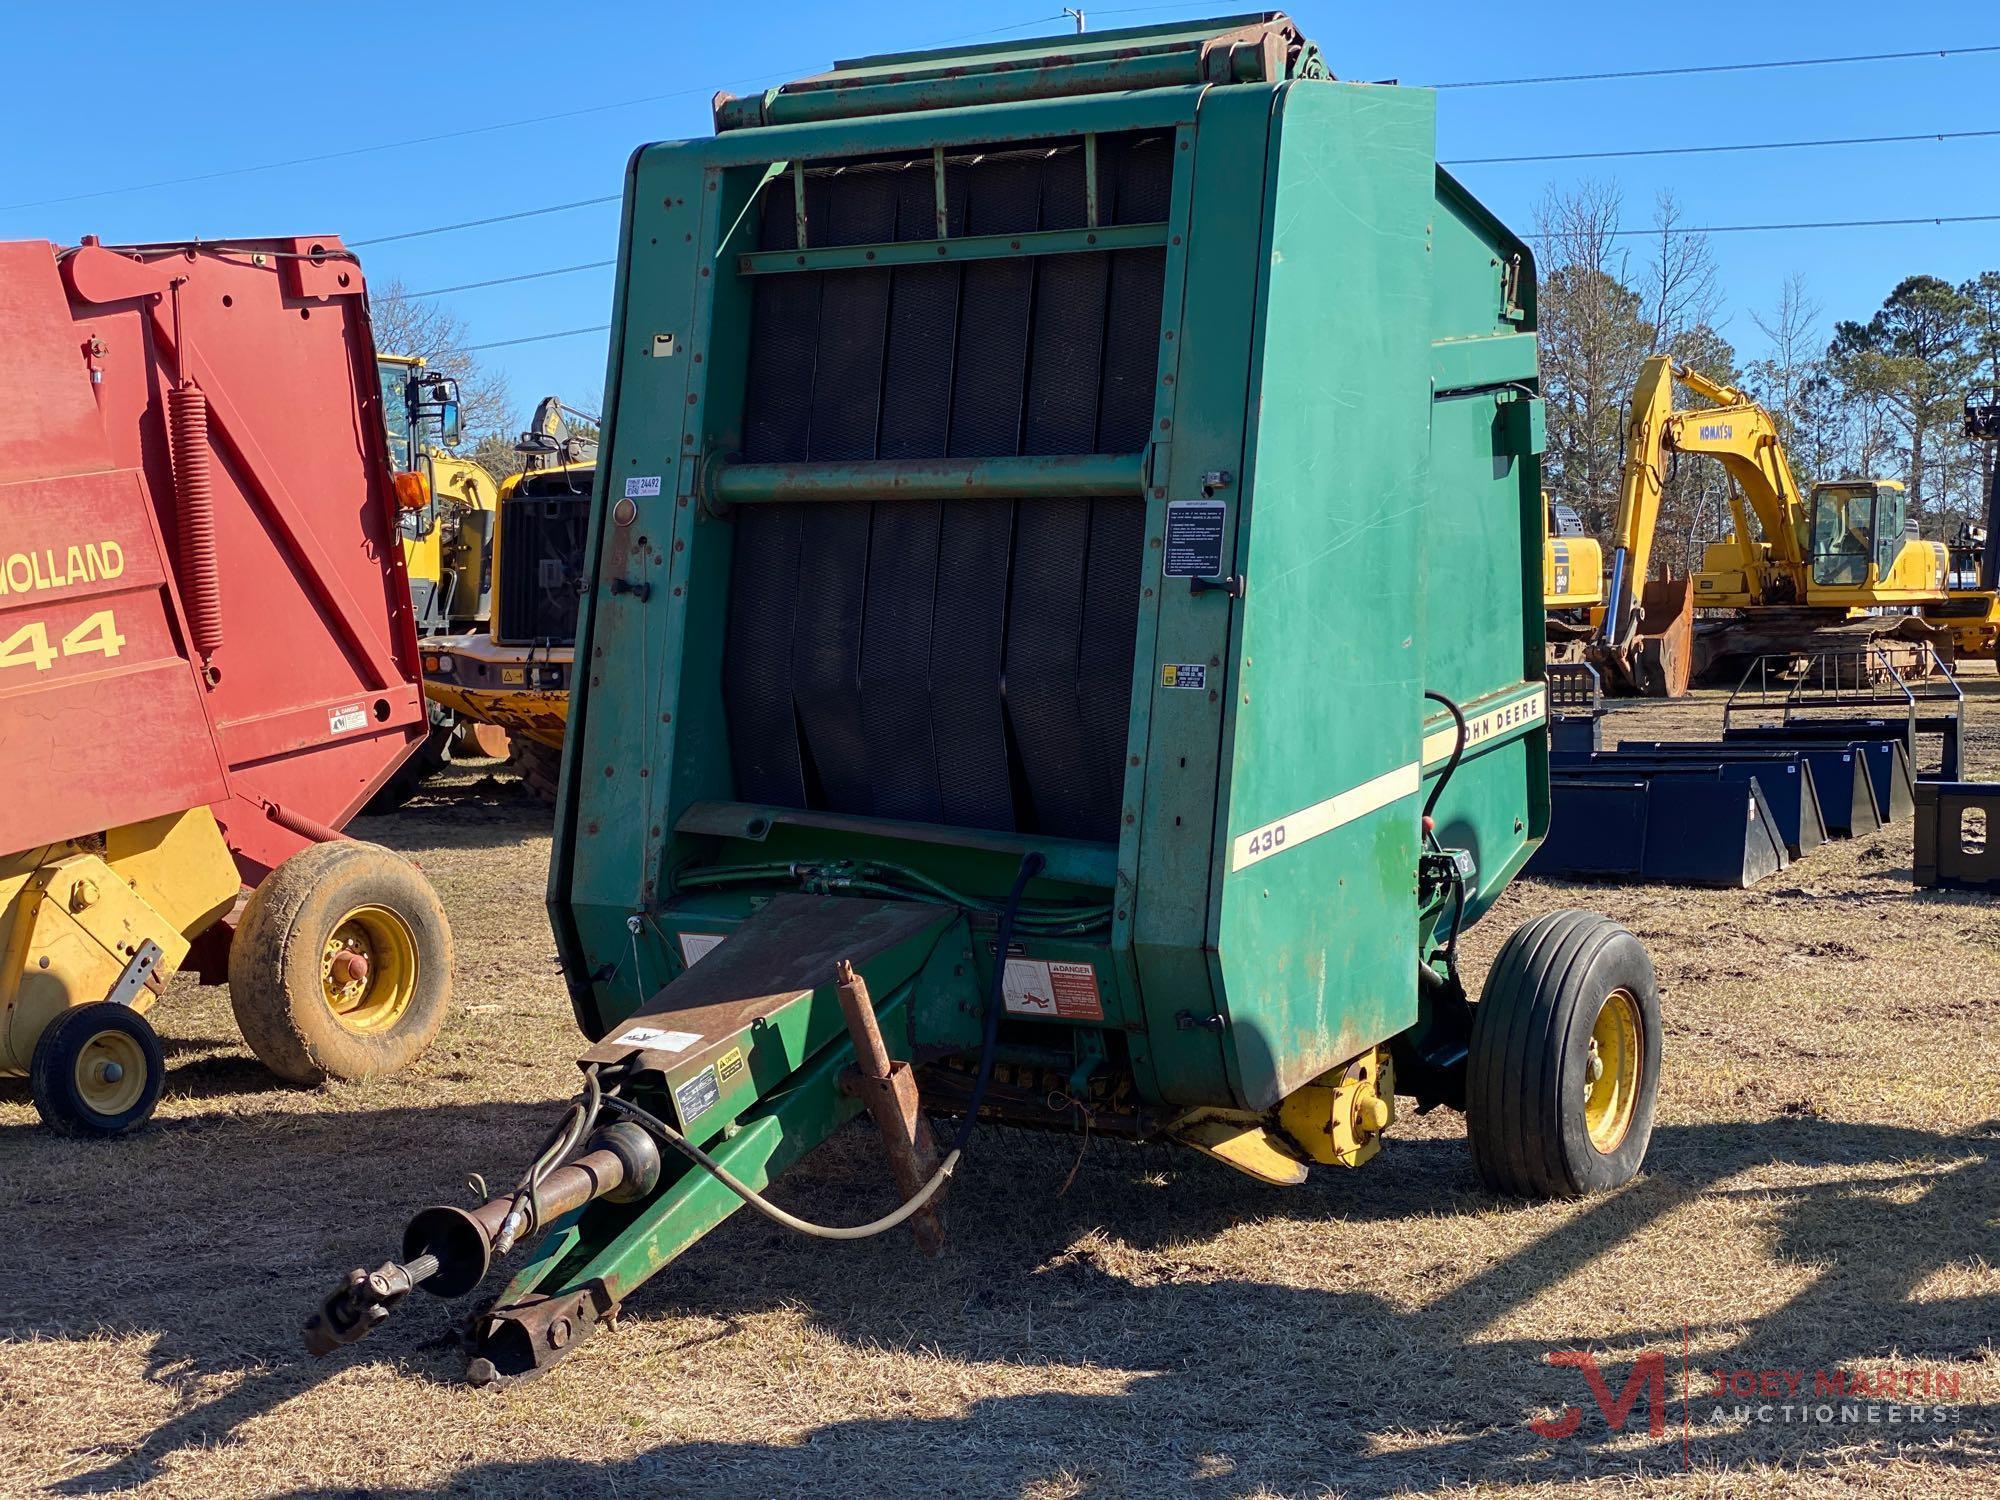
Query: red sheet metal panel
<point>101,718</point>
<point>312,697</point>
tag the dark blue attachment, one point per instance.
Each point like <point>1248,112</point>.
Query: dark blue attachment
<point>1884,747</point>
<point>1679,828</point>
<point>1787,782</point>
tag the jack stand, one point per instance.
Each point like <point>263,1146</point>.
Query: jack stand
<point>889,1089</point>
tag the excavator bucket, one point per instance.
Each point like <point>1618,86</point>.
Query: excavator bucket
<point>1659,660</point>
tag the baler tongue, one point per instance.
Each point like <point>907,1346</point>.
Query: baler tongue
<point>757,1054</point>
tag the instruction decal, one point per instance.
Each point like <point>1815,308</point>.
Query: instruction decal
<point>638,486</point>
<point>1184,674</point>
<point>695,1097</point>
<point>653,1039</point>
<point>346,720</point>
<point>695,946</point>
<point>1194,538</point>
<point>729,1065</point>
<point>1041,987</point>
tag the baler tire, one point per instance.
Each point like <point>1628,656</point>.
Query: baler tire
<point>324,898</point>
<point>63,1099</point>
<point>1529,1089</point>
<point>539,766</point>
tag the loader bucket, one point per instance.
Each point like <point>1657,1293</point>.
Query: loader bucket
<point>1884,757</point>
<point>1675,829</point>
<point>1785,780</point>
<point>1840,777</point>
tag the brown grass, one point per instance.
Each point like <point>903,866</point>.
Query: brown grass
<point>1821,1193</point>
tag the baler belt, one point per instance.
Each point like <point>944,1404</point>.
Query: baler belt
<point>833,541</point>
<point>964,661</point>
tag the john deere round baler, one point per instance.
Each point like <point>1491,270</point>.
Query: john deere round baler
<point>1064,642</point>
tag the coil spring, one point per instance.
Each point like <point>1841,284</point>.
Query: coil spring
<point>194,497</point>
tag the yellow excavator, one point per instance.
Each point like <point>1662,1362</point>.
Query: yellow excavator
<point>1572,565</point>
<point>1803,571</point>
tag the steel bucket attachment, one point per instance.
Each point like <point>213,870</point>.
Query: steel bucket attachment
<point>1883,756</point>
<point>1786,781</point>
<point>1958,835</point>
<point>1658,661</point>
<point>1671,828</point>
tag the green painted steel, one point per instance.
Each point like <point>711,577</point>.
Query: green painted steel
<point>967,247</point>
<point>1343,396</point>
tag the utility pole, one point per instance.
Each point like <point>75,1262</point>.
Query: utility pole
<point>1077,15</point>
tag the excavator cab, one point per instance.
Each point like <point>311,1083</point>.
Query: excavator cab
<point>1844,531</point>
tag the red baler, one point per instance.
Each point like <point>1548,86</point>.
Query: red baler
<point>208,663</point>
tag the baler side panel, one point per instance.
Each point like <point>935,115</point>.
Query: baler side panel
<point>1211,316</point>
<point>1483,540</point>
<point>1320,808</point>
<point>101,719</point>
<point>315,697</point>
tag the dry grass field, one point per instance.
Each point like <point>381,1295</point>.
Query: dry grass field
<point>1822,1194</point>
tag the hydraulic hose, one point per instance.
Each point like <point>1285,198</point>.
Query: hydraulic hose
<point>1457,750</point>
<point>763,1205</point>
<point>1003,938</point>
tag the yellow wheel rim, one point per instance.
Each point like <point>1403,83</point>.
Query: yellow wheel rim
<point>1611,1083</point>
<point>110,1073</point>
<point>369,969</point>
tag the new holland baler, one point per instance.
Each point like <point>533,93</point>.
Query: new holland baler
<point>1064,643</point>
<point>207,664</point>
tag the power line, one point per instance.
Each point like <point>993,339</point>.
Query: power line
<point>535,338</point>
<point>1819,224</point>
<point>1852,140</point>
<point>1749,67</point>
<point>473,286</point>
<point>526,213</point>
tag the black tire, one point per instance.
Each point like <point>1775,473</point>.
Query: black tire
<point>431,757</point>
<point>1530,1089</point>
<point>83,1072</point>
<point>307,1021</point>
<point>539,766</point>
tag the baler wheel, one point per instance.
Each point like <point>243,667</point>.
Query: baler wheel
<point>1565,1059</point>
<point>341,967</point>
<point>97,1070</point>
<point>539,766</point>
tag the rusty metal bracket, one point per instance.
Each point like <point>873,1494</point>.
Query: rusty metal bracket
<point>889,1089</point>
<point>522,1340</point>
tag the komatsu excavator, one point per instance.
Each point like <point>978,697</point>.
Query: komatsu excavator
<point>1799,568</point>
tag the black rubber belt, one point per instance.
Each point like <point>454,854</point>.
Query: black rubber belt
<point>968,715</point>
<point>1052,537</point>
<point>903,547</point>
<point>833,539</point>
<point>764,568</point>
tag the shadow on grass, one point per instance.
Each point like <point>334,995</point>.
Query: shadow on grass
<point>1228,1384</point>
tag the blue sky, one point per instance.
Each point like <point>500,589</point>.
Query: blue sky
<point>114,96</point>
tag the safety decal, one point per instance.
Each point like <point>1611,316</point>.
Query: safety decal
<point>1194,538</point>
<point>729,1064</point>
<point>1041,987</point>
<point>695,946</point>
<point>1184,674</point>
<point>1323,817</point>
<point>346,720</point>
<point>696,1095</point>
<point>641,485</point>
<point>653,1039</point>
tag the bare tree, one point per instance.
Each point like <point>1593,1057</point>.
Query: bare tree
<point>1683,286</point>
<point>424,328</point>
<point>1592,337</point>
